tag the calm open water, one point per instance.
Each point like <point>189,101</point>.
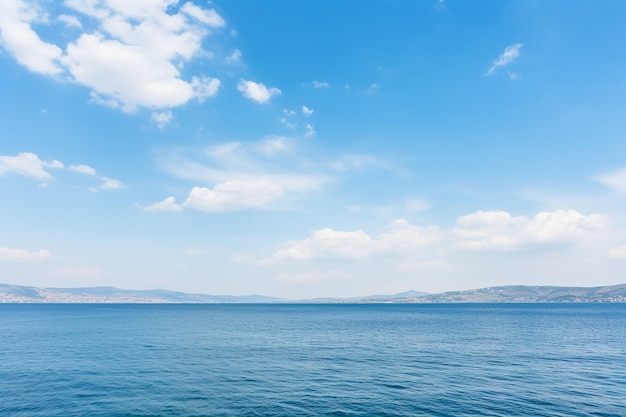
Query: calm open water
<point>310,360</point>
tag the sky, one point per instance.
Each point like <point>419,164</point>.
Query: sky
<point>306,149</point>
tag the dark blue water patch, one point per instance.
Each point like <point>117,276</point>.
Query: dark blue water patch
<point>391,360</point>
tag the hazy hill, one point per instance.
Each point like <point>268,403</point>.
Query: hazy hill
<point>503,294</point>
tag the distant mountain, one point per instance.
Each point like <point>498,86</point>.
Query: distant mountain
<point>22,294</point>
<point>503,294</point>
<point>526,294</point>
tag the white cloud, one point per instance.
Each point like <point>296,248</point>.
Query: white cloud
<point>257,91</point>
<point>111,184</point>
<point>309,131</point>
<point>131,58</point>
<point>169,204</point>
<point>306,111</point>
<point>233,195</point>
<point>329,243</point>
<point>615,180</point>
<point>289,112</point>
<point>10,254</point>
<point>491,230</point>
<point>234,57</point>
<point>372,89</point>
<point>17,36</point>
<point>287,123</point>
<point>510,53</point>
<point>618,253</point>
<point>209,17</point>
<point>27,164</point>
<point>70,21</point>
<point>204,87</point>
<point>415,205</point>
<point>500,230</point>
<point>161,118</point>
<point>273,145</point>
<point>320,84</point>
<point>82,169</point>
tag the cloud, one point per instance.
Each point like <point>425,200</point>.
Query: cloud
<point>70,21</point>
<point>111,184</point>
<point>162,118</point>
<point>306,111</point>
<point>320,84</point>
<point>618,253</point>
<point>328,243</point>
<point>234,57</point>
<point>17,37</point>
<point>615,180</point>
<point>309,131</point>
<point>27,164</point>
<point>372,89</point>
<point>274,145</point>
<point>233,195</point>
<point>440,5</point>
<point>82,169</point>
<point>108,183</point>
<point>499,230</point>
<point>169,204</point>
<point>478,231</point>
<point>509,55</point>
<point>257,91</point>
<point>287,123</point>
<point>130,57</point>
<point>209,17</point>
<point>10,254</point>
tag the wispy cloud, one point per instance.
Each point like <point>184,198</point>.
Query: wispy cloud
<point>510,54</point>
<point>30,165</point>
<point>11,254</point>
<point>257,91</point>
<point>234,57</point>
<point>320,84</point>
<point>615,180</point>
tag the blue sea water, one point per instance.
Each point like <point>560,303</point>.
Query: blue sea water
<point>313,360</point>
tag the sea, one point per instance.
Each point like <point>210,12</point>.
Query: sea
<point>313,360</point>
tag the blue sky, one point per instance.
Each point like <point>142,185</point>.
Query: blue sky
<point>305,148</point>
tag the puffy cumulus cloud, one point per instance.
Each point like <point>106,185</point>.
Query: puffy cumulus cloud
<point>29,165</point>
<point>10,254</point>
<point>329,243</point>
<point>233,195</point>
<point>131,58</point>
<point>509,55</point>
<point>257,91</point>
<point>169,204</point>
<point>615,180</point>
<point>499,230</point>
<point>18,37</point>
